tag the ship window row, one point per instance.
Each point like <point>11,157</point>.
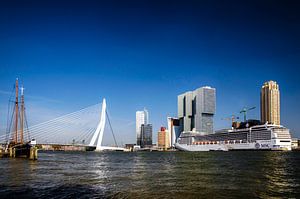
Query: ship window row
<point>219,142</point>
<point>282,133</point>
<point>285,141</point>
<point>258,128</point>
<point>222,137</point>
<point>264,135</point>
<point>283,137</point>
<point>250,136</point>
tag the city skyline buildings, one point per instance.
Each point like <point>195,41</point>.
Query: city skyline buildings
<point>163,139</point>
<point>146,136</point>
<point>143,129</point>
<point>142,118</point>
<point>174,130</point>
<point>270,103</point>
<point>196,110</point>
<point>125,51</point>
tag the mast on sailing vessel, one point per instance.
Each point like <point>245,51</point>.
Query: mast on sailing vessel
<point>16,112</point>
<point>22,116</point>
<point>18,137</point>
<point>17,147</point>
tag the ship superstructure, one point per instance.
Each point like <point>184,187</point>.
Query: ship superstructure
<point>247,137</point>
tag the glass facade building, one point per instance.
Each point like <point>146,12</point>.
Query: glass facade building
<point>143,129</point>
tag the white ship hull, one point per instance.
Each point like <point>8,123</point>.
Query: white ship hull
<point>250,139</point>
<point>259,145</point>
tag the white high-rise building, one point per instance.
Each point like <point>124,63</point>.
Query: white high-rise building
<point>142,117</point>
<point>174,130</point>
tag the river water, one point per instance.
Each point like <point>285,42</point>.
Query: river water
<point>246,174</point>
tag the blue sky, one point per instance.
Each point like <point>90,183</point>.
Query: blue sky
<point>136,54</point>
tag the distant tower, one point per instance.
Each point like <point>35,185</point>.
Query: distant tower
<point>270,103</point>
<point>142,117</point>
<point>146,135</point>
<point>163,140</point>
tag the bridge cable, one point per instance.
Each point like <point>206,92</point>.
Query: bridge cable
<point>111,128</point>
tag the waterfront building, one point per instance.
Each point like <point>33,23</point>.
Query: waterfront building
<point>196,110</point>
<point>270,103</point>
<point>142,117</point>
<point>163,140</point>
<point>174,130</point>
<point>146,136</point>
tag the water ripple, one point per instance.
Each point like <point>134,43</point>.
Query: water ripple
<point>152,175</point>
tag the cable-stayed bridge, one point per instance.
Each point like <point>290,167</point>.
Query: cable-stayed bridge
<point>83,127</point>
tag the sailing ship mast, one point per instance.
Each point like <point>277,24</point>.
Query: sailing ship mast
<point>19,133</point>
<point>16,112</point>
<point>22,116</point>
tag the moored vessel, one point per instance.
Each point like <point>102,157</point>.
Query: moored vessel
<point>249,136</point>
<point>16,146</point>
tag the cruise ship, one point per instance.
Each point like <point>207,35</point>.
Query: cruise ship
<point>250,135</point>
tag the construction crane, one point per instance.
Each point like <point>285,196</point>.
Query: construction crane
<point>245,110</point>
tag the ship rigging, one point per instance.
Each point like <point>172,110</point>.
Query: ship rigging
<point>16,145</point>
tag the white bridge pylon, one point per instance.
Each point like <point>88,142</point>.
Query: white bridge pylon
<point>98,135</point>
<point>100,128</point>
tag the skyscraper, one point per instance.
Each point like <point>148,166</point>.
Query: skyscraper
<point>196,110</point>
<point>270,103</point>
<point>146,135</point>
<point>142,117</point>
<point>174,130</point>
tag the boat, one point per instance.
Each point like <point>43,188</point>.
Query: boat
<point>16,146</point>
<point>249,135</point>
